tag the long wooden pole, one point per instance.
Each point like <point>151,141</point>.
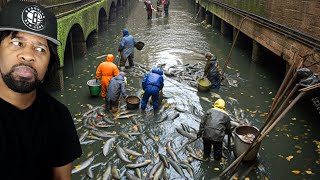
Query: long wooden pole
<point>282,107</point>
<point>230,52</point>
<point>282,87</point>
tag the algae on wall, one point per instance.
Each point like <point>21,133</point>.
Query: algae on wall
<point>87,18</point>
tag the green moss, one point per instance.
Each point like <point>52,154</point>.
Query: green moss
<point>87,18</point>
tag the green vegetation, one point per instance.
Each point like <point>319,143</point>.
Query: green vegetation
<point>86,18</point>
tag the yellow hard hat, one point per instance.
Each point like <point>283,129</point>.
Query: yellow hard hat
<point>220,103</point>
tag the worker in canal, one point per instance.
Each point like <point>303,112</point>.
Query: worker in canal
<point>149,8</point>
<point>213,127</point>
<point>152,84</point>
<point>212,70</point>
<point>38,136</point>
<point>106,70</point>
<point>166,4</point>
<point>126,49</point>
<point>159,8</point>
<point>116,89</point>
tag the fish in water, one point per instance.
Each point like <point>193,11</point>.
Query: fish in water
<point>107,173</point>
<point>132,152</point>
<point>83,165</point>
<point>121,153</point>
<point>175,115</point>
<point>107,146</point>
<point>186,134</point>
<point>138,165</point>
<point>215,95</point>
<point>125,116</point>
<point>205,99</point>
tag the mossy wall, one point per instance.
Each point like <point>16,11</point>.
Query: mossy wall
<point>87,18</point>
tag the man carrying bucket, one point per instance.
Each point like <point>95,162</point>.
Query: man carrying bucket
<point>212,70</point>
<point>214,125</point>
<point>126,49</point>
<point>116,88</point>
<point>106,70</point>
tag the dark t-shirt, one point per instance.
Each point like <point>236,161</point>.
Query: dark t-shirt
<point>34,140</point>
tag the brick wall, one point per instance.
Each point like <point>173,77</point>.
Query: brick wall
<point>301,15</point>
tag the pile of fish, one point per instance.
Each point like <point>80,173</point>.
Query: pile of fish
<point>185,74</point>
<point>146,145</point>
<point>248,138</point>
<point>133,164</point>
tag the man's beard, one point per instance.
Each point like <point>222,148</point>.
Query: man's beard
<point>21,84</point>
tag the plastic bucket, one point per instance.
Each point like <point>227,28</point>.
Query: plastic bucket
<point>139,45</point>
<point>133,102</point>
<point>94,87</point>
<point>244,136</point>
<point>204,84</point>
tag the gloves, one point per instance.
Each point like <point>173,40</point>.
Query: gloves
<point>125,80</point>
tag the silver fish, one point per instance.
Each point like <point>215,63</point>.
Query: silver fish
<point>154,169</point>
<point>158,173</point>
<point>107,146</point>
<point>132,152</point>
<point>186,134</point>
<point>138,165</point>
<point>115,172</point>
<point>176,166</point>
<point>89,170</point>
<point>164,160</point>
<point>121,153</point>
<point>131,176</point>
<point>107,173</point>
<point>83,165</point>
<point>83,136</point>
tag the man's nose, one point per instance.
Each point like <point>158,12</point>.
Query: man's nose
<point>27,55</point>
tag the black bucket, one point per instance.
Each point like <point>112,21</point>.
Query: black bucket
<point>139,45</point>
<point>243,141</point>
<point>133,102</point>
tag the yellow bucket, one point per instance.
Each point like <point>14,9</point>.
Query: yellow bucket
<point>204,84</point>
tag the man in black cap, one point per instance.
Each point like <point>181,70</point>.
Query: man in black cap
<point>38,139</point>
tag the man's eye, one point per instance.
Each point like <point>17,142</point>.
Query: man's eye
<point>17,43</point>
<point>39,49</point>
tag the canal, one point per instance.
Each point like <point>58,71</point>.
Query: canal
<point>291,150</point>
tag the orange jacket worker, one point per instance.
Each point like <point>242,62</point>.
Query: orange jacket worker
<point>106,71</point>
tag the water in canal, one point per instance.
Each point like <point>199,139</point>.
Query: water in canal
<point>291,150</point>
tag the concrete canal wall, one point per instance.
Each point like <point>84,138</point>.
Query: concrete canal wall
<point>289,29</point>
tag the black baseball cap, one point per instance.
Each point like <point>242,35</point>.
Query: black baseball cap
<point>31,18</point>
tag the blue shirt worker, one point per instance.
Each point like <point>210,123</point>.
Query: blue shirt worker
<point>152,84</point>
<point>38,138</point>
<point>126,49</point>
<point>213,127</point>
<point>117,87</point>
<point>212,70</point>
